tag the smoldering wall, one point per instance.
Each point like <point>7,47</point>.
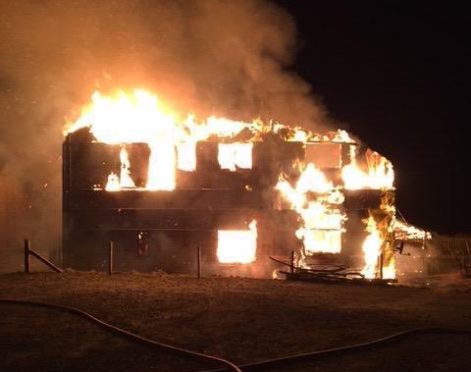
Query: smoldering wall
<point>223,57</point>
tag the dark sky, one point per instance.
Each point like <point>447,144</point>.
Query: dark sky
<point>397,74</point>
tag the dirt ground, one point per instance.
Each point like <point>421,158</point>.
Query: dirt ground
<point>244,320</point>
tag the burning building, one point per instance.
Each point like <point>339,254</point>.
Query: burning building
<point>159,187</point>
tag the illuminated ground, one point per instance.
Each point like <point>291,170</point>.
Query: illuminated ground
<point>243,320</point>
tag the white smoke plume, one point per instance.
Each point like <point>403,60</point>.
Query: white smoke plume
<point>224,57</point>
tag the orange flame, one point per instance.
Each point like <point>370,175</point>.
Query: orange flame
<point>380,173</point>
<point>235,155</point>
<point>373,249</point>
<point>237,246</point>
<point>125,179</point>
<point>139,117</point>
<point>113,183</point>
<point>322,220</point>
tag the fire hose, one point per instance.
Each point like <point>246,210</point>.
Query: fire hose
<point>257,366</point>
<point>127,334</point>
<point>277,362</point>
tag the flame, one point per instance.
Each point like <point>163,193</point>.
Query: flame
<point>161,174</point>
<point>113,183</point>
<point>371,249</point>
<point>186,159</point>
<point>237,246</point>
<point>321,220</point>
<point>125,179</point>
<point>139,117</point>
<point>322,231</point>
<point>405,231</point>
<point>125,118</point>
<point>214,126</point>
<point>342,136</point>
<point>313,179</point>
<point>298,134</point>
<point>380,173</point>
<point>389,271</point>
<point>235,155</point>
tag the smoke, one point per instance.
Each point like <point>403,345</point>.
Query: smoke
<point>223,57</point>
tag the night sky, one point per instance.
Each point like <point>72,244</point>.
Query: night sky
<point>396,74</point>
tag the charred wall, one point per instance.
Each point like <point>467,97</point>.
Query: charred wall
<point>161,229</point>
<point>155,230</point>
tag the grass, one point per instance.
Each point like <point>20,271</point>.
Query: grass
<point>244,320</point>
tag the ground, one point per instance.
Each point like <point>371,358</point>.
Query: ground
<point>244,320</point>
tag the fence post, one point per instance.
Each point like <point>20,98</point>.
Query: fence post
<point>198,261</point>
<point>381,264</point>
<point>292,262</point>
<point>425,268</point>
<point>27,246</point>
<point>110,257</point>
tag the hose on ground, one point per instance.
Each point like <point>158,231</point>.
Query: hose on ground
<point>127,334</point>
<point>277,362</point>
<point>257,366</point>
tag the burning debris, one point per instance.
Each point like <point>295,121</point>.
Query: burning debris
<point>242,191</point>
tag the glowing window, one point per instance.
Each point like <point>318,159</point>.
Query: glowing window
<point>235,155</point>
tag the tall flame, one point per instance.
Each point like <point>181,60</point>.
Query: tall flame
<point>380,174</point>
<point>125,179</point>
<point>371,249</point>
<point>161,174</point>
<point>321,219</point>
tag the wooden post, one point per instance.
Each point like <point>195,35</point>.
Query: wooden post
<point>381,264</point>
<point>292,262</point>
<point>424,255</point>
<point>46,262</point>
<point>110,257</point>
<point>27,246</point>
<point>198,261</point>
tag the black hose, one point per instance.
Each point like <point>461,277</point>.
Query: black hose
<point>129,335</point>
<point>263,364</point>
<point>250,366</point>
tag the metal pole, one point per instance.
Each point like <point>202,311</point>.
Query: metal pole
<point>110,257</point>
<point>26,253</point>
<point>198,261</point>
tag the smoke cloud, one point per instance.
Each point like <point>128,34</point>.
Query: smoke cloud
<point>223,57</point>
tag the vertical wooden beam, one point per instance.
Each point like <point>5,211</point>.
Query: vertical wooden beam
<point>110,257</point>
<point>27,247</point>
<point>381,264</point>
<point>292,262</point>
<point>424,255</point>
<point>198,261</point>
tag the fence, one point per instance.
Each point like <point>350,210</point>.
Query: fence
<point>446,254</point>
